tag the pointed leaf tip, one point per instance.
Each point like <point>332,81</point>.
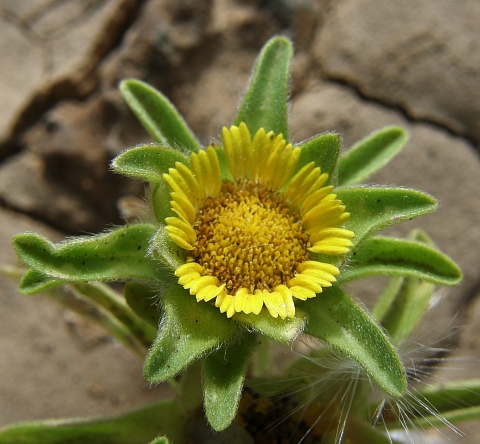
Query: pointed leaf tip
<point>158,115</point>
<point>189,329</point>
<point>35,282</point>
<point>324,150</point>
<point>118,255</point>
<point>370,155</point>
<point>265,102</point>
<point>224,372</point>
<point>372,208</point>
<point>147,162</point>
<point>390,256</point>
<point>336,319</point>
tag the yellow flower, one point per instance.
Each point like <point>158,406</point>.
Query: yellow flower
<point>250,236</point>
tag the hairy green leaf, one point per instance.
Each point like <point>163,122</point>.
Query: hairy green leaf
<point>408,307</point>
<point>135,427</point>
<point>387,297</point>
<point>147,162</point>
<point>388,256</point>
<point>265,103</point>
<point>158,115</point>
<point>370,154</point>
<point>404,300</point>
<point>374,208</point>
<point>188,330</point>
<point>224,372</point>
<point>119,255</point>
<point>34,282</point>
<point>336,319</point>
<point>323,150</point>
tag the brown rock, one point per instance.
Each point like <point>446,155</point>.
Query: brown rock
<point>64,176</point>
<point>419,57</point>
<point>20,75</point>
<point>64,42</point>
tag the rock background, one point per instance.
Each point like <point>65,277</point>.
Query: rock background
<point>358,66</point>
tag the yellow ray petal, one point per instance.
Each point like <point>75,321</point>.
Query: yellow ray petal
<point>276,157</point>
<point>203,282</point>
<point>178,237</point>
<point>306,282</point>
<point>245,151</point>
<point>226,303</point>
<point>185,227</point>
<point>209,292</point>
<point>275,304</point>
<point>240,299</point>
<point>319,274</point>
<point>288,167</point>
<point>187,268</point>
<point>294,188</point>
<point>256,302</point>
<point>315,198</point>
<point>215,179</point>
<point>302,293</point>
<point>323,210</point>
<point>200,170</point>
<point>334,241</point>
<point>321,266</point>
<point>321,248</point>
<point>261,147</point>
<point>187,280</point>
<point>331,218</point>
<point>183,207</point>
<point>325,233</point>
<point>286,294</point>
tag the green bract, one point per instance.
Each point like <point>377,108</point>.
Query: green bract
<point>197,341</point>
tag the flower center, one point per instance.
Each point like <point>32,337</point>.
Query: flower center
<point>248,237</point>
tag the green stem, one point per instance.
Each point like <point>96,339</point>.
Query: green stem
<point>115,304</point>
<point>117,329</point>
<point>115,315</point>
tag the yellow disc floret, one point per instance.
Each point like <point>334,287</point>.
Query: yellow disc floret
<point>249,238</point>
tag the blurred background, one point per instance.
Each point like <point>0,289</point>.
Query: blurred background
<point>358,66</point>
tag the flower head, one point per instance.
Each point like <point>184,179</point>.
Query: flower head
<point>253,232</point>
